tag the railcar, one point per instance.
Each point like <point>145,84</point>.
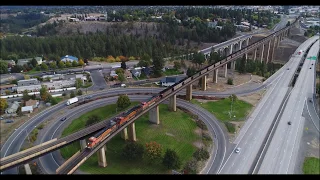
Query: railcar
<point>187,80</point>
<point>101,135</point>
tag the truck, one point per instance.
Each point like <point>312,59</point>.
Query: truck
<point>72,100</point>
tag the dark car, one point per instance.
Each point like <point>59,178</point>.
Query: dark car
<point>310,68</point>
<point>63,119</point>
<point>310,100</point>
<point>289,122</point>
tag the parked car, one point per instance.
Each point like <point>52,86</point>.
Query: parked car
<point>9,121</point>
<point>237,150</point>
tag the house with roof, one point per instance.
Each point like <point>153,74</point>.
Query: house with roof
<point>28,82</point>
<point>169,81</point>
<point>21,62</point>
<point>6,87</point>
<point>27,109</point>
<point>13,108</point>
<point>69,58</point>
<point>33,103</point>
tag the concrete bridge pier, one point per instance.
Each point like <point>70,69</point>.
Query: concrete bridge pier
<point>268,51</point>
<point>83,144</point>
<point>225,70</point>
<point>124,134</point>
<point>189,92</point>
<point>278,40</point>
<point>247,44</point>
<point>261,53</point>
<point>153,116</point>
<point>102,161</point>
<point>273,47</point>
<point>255,54</point>
<point>132,132</point>
<point>204,83</point>
<point>233,65</point>
<point>27,168</point>
<point>231,46</point>
<point>215,76</point>
<point>173,103</point>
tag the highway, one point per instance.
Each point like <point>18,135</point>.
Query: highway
<point>255,130</point>
<point>16,139</point>
<point>282,152</point>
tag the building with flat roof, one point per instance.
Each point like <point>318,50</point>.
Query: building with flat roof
<point>27,82</point>
<point>31,88</point>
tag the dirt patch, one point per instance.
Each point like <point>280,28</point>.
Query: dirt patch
<point>169,134</point>
<point>198,144</point>
<point>314,148</point>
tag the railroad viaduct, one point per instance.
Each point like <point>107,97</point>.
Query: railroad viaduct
<point>263,53</point>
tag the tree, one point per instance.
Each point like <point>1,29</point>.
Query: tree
<point>74,63</point>
<point>133,151</point>
<point>191,71</point>
<point>233,97</point>
<point>123,65</point>
<point>72,94</point>
<point>79,92</point>
<point>81,62</point>
<point>53,65</point>
<point>68,64</point>
<point>171,159</point>
<point>199,58</point>
<point>191,167</point>
<point>177,65</point>
<point>121,77</point>
<point>201,154</point>
<point>123,102</point>
<point>3,67</point>
<point>145,61</point>
<point>61,64</point>
<point>44,93</point>
<point>25,95</point>
<point>230,81</point>
<point>78,83</point>
<point>153,151</point>
<point>158,64</point>
<point>34,62</point>
<point>53,100</point>
<point>7,92</point>
<point>288,24</point>
<point>26,76</point>
<point>44,67</point>
<point>3,104</point>
<point>119,71</point>
<point>92,120</point>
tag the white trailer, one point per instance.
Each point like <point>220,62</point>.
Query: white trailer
<point>72,100</point>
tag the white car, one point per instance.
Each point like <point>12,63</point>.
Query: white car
<point>237,150</point>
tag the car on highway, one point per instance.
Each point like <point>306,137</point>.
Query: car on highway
<point>63,119</point>
<point>237,150</point>
<point>288,68</point>
<point>310,100</point>
<point>310,68</point>
<point>289,122</point>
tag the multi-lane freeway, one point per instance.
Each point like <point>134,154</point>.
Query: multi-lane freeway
<point>253,133</point>
<point>282,152</point>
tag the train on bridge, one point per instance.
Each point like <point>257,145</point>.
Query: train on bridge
<point>125,117</point>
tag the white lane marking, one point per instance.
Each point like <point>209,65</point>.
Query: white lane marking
<point>311,117</point>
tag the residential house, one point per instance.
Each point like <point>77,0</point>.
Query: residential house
<point>69,58</point>
<point>11,62</point>
<point>212,24</point>
<point>33,103</point>
<point>169,81</point>
<point>27,109</point>
<point>13,108</point>
<point>21,62</point>
<point>136,72</point>
<point>27,82</point>
<point>113,74</point>
<point>7,87</point>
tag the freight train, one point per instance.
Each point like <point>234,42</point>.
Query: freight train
<point>117,122</point>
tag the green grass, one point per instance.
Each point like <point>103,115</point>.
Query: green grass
<point>176,131</point>
<point>59,99</point>
<point>170,72</point>
<point>221,108</point>
<point>32,71</point>
<point>311,165</point>
<point>87,84</point>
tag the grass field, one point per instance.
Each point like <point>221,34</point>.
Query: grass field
<point>176,131</point>
<point>170,72</point>
<point>221,108</point>
<point>311,165</point>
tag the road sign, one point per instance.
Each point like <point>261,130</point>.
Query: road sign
<point>312,58</point>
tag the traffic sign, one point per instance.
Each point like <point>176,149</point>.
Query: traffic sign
<point>312,58</point>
